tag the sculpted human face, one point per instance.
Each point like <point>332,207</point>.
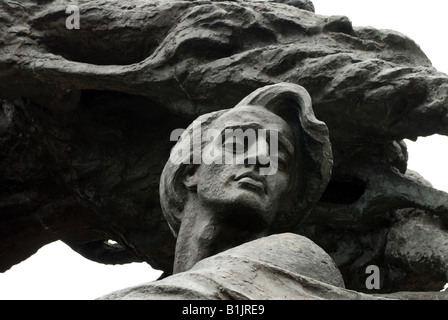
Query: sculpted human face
<point>239,191</point>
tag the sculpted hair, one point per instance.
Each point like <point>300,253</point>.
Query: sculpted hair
<point>313,156</point>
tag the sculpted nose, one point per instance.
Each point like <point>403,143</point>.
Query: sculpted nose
<point>258,154</point>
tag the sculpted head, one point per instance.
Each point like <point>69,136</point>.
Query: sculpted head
<point>281,164</point>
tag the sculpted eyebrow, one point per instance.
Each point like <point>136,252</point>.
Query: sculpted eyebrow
<point>253,126</point>
<point>243,127</point>
<point>283,143</point>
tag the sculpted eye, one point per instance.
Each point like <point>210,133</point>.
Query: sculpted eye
<point>235,146</point>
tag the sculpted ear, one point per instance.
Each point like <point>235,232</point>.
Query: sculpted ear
<point>190,180</point>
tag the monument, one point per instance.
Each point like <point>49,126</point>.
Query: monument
<point>88,109</point>
<point>223,212</point>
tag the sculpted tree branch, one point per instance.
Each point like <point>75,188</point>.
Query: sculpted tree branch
<point>86,115</point>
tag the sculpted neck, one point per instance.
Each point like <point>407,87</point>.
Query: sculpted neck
<point>202,235</point>
<point>197,238</point>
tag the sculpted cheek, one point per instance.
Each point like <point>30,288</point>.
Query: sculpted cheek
<point>280,184</point>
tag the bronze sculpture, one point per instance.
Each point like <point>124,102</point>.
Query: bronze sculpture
<point>223,213</point>
<point>215,197</point>
<point>85,126</point>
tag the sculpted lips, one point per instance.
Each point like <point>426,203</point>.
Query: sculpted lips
<point>252,180</point>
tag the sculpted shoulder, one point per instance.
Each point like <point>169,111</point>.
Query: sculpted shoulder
<point>282,266</point>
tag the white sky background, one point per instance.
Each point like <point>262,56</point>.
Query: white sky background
<point>57,272</point>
